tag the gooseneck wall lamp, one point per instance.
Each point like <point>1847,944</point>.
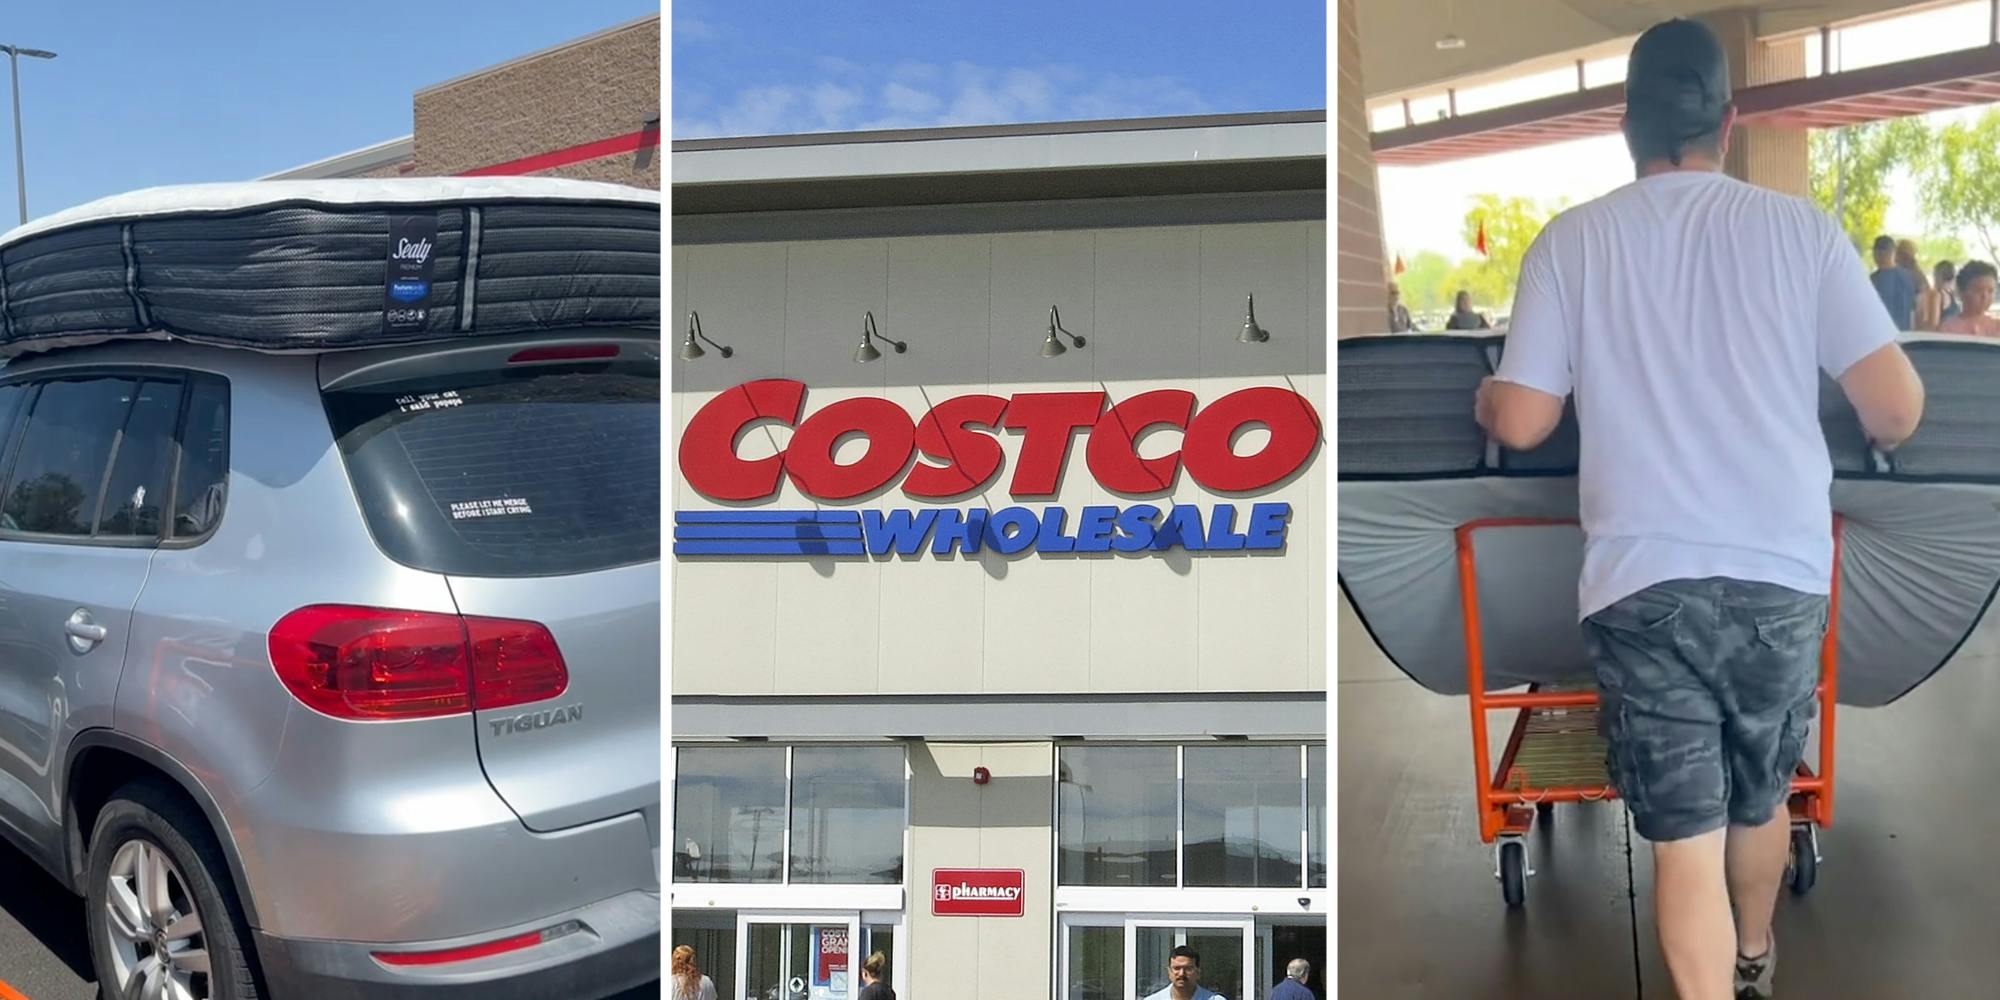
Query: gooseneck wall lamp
<point>1252,333</point>
<point>867,352</point>
<point>691,344</point>
<point>1053,346</point>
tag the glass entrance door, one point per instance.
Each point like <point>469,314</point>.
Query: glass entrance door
<point>798,957</point>
<point>1224,947</point>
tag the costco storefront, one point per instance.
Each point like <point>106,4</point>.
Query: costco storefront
<point>999,557</point>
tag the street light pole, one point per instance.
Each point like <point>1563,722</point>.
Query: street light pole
<point>14,54</point>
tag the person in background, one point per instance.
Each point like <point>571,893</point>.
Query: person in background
<point>688,982</point>
<point>1463,317</point>
<point>1941,302</point>
<point>1896,287</point>
<point>1399,314</point>
<point>1906,258</point>
<point>1294,986</point>
<point>873,972</point>
<point>1184,978</point>
<point>1975,294</point>
<point>1692,315</point>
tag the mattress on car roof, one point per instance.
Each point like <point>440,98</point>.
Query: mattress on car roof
<point>289,266</point>
<point>1920,558</point>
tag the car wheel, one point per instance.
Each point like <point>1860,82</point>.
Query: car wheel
<point>162,920</point>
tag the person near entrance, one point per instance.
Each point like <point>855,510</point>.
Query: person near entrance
<point>1294,985</point>
<point>874,972</point>
<point>1399,314</point>
<point>1184,978</point>
<point>1691,314</point>
<point>1895,285</point>
<point>688,982</point>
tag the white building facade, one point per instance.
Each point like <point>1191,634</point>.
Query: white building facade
<point>999,643</point>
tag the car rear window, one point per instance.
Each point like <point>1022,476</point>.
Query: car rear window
<point>535,471</point>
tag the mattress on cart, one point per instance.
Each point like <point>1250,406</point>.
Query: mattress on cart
<point>1919,568</point>
<point>289,266</point>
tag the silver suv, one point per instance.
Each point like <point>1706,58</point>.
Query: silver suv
<point>338,675</point>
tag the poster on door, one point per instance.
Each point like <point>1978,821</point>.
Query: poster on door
<point>829,963</point>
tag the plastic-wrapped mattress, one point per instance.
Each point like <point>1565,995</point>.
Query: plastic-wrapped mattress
<point>1921,540</point>
<point>325,265</point>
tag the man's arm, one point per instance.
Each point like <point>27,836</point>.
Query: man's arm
<point>1857,347</point>
<point>1522,404</point>
<point>1886,394</point>
<point>1518,417</point>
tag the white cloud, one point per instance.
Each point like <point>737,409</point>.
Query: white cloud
<point>922,95</point>
<point>688,28</point>
<point>756,111</point>
<point>833,103</point>
<point>909,100</point>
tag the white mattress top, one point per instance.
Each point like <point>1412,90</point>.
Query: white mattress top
<point>186,198</point>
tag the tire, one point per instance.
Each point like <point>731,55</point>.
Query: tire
<point>143,824</point>
<point>1513,874</point>
<point>1803,872</point>
<point>1545,814</point>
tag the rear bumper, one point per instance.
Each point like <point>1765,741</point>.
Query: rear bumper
<point>617,947</point>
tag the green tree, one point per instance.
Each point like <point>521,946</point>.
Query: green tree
<point>1489,288</point>
<point>1959,180</point>
<point>1511,227</point>
<point>1849,170</point>
<point>1932,247</point>
<point>1423,281</point>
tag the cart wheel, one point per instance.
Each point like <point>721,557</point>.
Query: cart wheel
<point>1545,814</point>
<point>1804,870</point>
<point>1513,873</point>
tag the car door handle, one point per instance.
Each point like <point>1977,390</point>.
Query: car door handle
<point>88,633</point>
<point>83,632</point>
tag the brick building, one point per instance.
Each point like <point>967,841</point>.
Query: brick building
<point>587,109</point>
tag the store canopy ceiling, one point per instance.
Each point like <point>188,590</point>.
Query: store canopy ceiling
<point>1917,86</point>
<point>1399,53</point>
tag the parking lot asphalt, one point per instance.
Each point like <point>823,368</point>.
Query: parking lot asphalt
<point>43,953</point>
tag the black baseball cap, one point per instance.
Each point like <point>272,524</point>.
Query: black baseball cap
<point>1677,82</point>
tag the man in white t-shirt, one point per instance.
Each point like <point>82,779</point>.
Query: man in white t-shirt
<point>1704,484</point>
<point>1184,978</point>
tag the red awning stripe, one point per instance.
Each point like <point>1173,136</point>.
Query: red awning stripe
<point>631,142</point>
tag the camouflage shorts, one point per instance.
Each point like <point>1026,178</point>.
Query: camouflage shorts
<point>1707,690</point>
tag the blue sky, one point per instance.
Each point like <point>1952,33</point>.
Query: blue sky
<point>764,69</point>
<point>201,90</point>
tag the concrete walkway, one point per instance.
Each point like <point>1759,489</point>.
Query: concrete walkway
<point>1905,904</point>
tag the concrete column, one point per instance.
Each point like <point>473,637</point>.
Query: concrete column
<point>1007,823</point>
<point>1361,288</point>
<point>1763,155</point>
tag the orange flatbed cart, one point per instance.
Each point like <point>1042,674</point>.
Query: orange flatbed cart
<point>1555,753</point>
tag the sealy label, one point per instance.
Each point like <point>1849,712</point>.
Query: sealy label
<point>406,291</point>
<point>418,251</point>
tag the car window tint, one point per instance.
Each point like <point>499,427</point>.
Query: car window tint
<point>11,397</point>
<point>138,484</point>
<point>509,473</point>
<point>70,432</point>
<point>203,476</point>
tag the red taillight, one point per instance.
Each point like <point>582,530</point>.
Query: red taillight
<point>375,664</point>
<point>513,663</point>
<point>567,352</point>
